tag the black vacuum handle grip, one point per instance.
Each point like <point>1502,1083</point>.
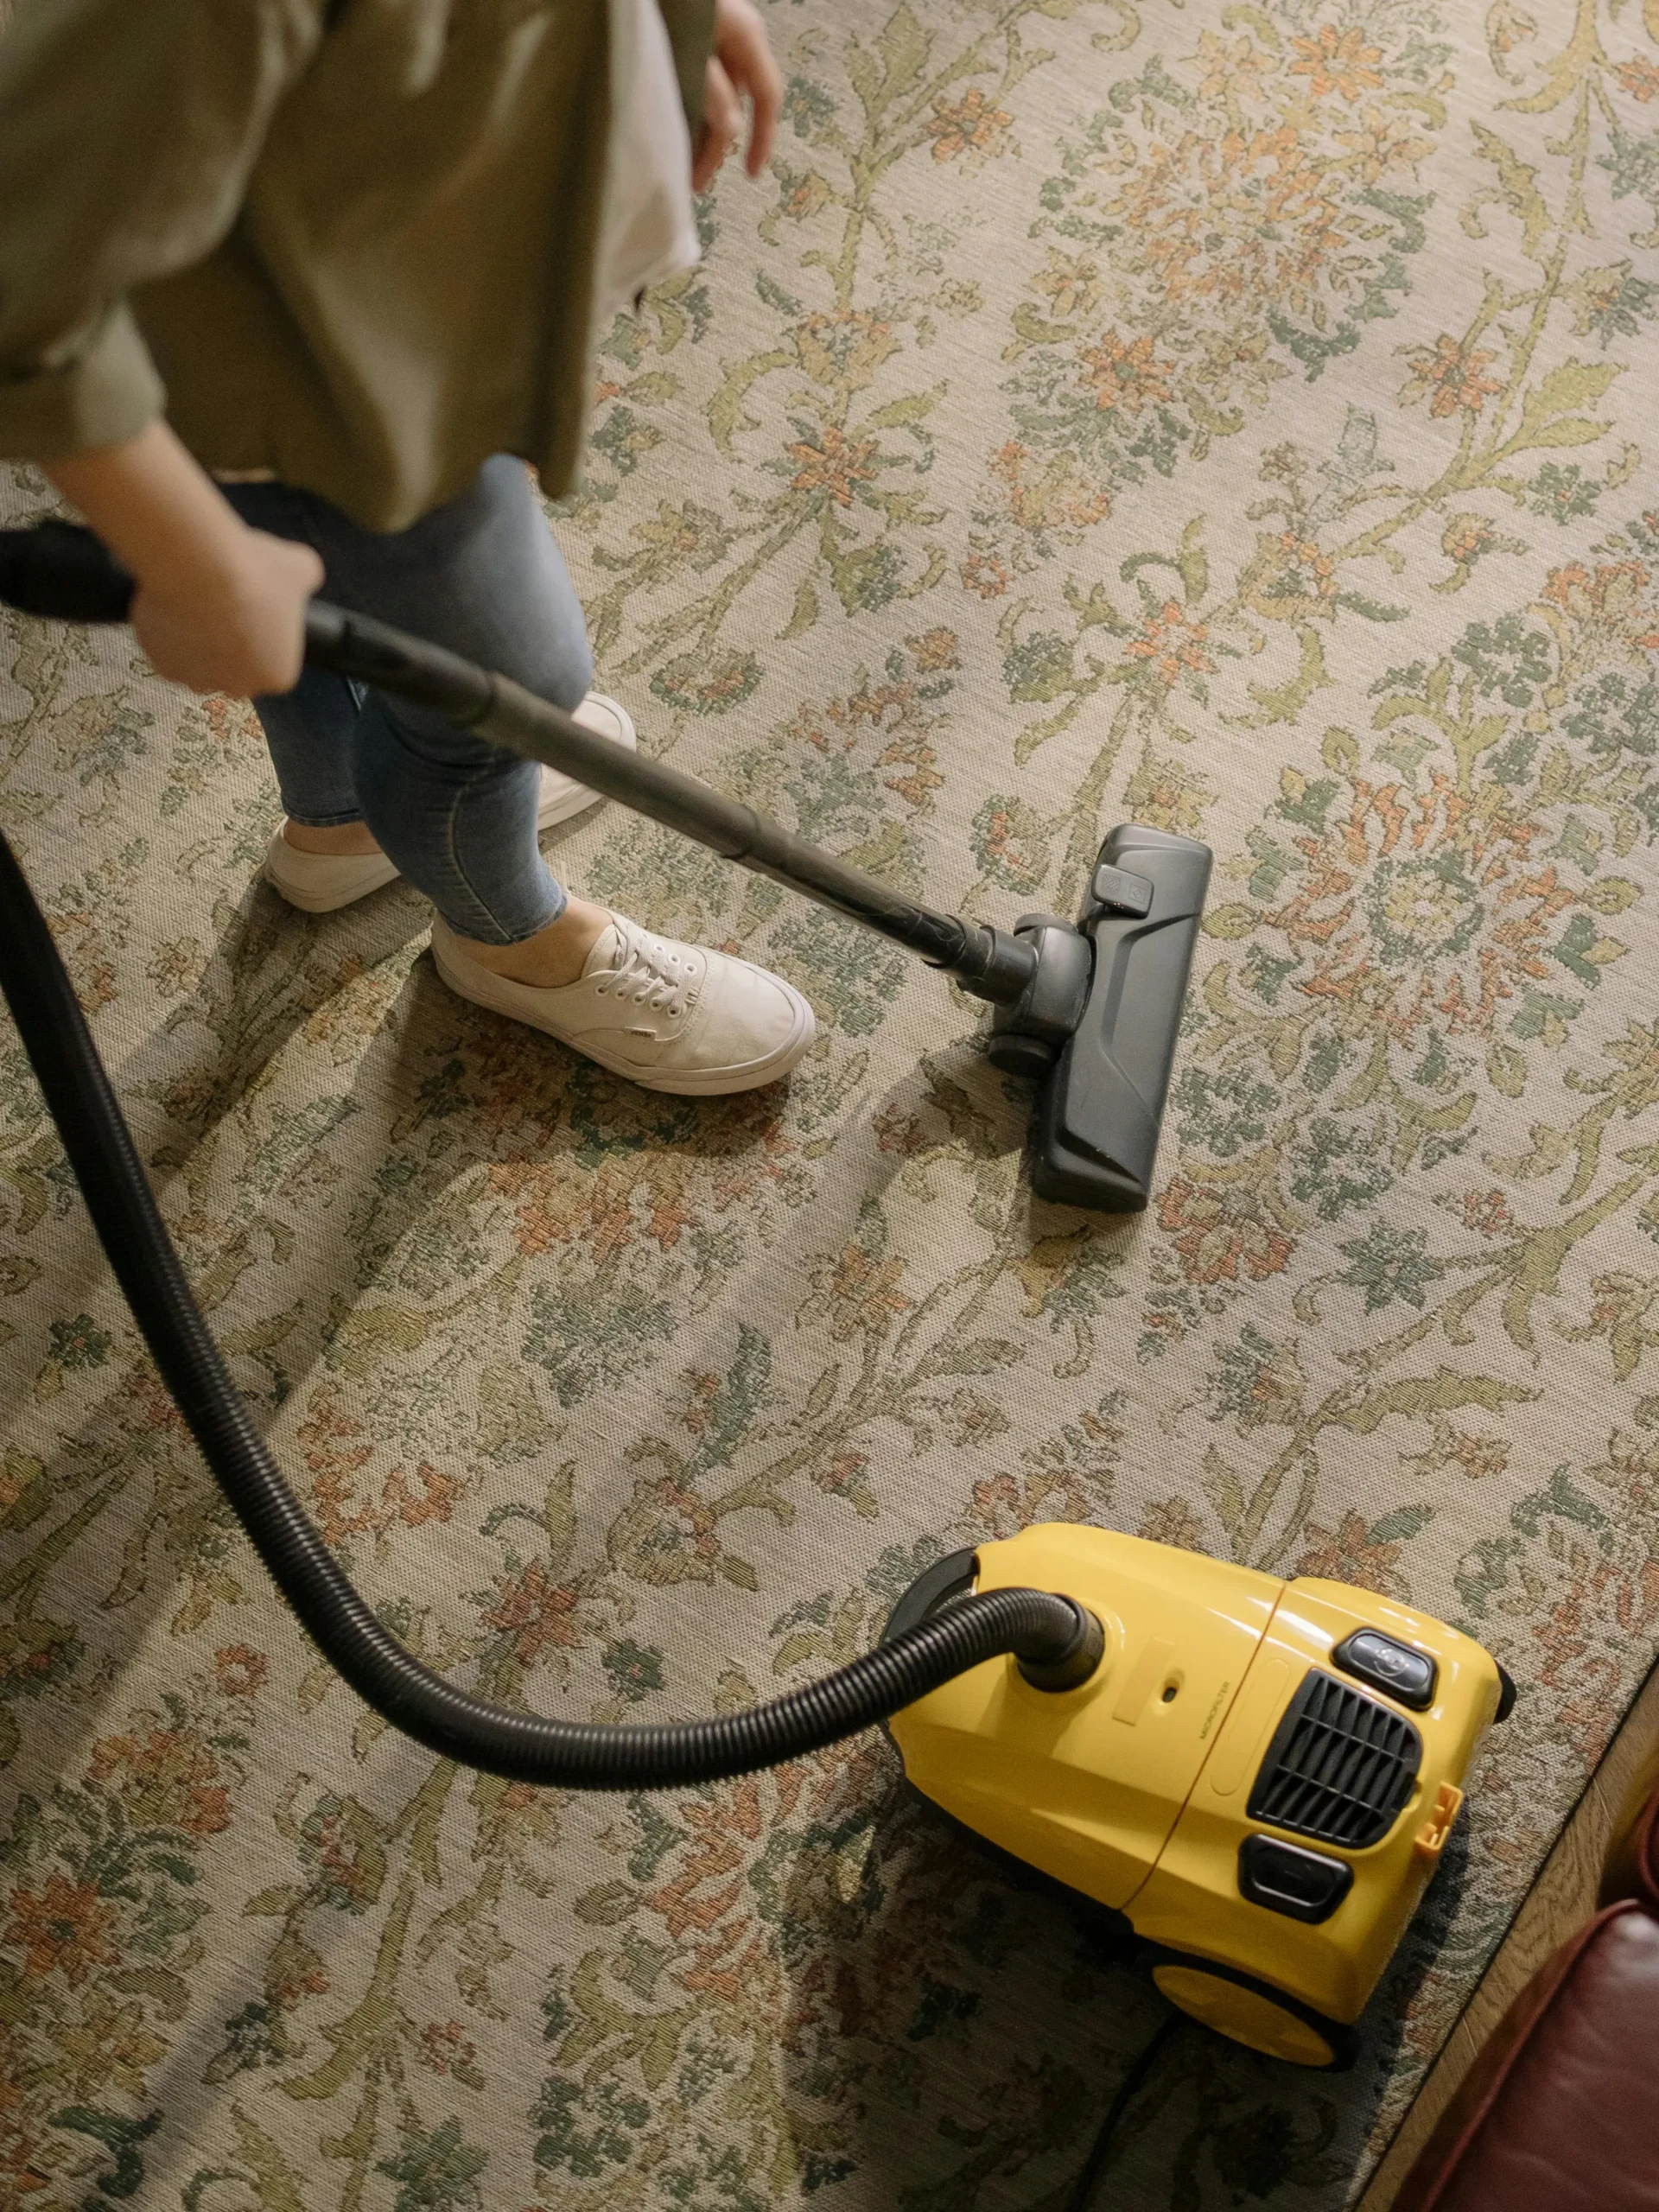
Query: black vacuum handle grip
<point>63,573</point>
<point>59,570</point>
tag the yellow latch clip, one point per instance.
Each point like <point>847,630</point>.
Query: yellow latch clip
<point>1431,1837</point>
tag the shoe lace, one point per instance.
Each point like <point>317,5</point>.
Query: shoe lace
<point>650,972</point>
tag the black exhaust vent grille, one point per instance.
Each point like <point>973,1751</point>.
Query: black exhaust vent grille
<point>1339,1767</point>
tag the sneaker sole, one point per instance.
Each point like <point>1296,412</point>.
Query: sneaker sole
<point>719,1083</point>
<point>310,902</point>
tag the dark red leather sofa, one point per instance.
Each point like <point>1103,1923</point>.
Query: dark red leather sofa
<point>1560,2111</point>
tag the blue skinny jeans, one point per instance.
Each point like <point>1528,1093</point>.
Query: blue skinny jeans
<point>483,576</point>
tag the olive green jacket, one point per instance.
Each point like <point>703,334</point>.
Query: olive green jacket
<point>352,242</point>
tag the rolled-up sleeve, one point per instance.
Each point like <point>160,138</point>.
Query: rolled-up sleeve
<point>127,132</point>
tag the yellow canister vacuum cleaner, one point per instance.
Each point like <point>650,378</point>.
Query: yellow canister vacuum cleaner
<point>1258,1776</point>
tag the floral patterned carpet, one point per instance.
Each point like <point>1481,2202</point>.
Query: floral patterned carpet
<point>1230,416</point>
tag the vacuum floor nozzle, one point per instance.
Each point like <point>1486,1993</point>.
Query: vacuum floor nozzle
<point>1098,1023</point>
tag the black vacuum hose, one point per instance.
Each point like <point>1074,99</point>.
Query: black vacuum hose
<point>1052,1637</point>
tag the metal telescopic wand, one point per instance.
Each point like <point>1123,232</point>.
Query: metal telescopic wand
<point>60,571</point>
<point>989,962</point>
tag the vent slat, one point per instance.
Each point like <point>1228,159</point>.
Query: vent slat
<point>1339,1768</point>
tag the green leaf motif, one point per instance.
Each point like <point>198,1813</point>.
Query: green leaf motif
<point>882,72</point>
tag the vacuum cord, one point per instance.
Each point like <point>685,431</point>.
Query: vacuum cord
<point>1128,2090</point>
<point>1040,1629</point>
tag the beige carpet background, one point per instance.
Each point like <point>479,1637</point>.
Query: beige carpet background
<point>1236,417</point>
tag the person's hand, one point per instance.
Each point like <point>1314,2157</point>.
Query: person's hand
<point>741,62</point>
<point>217,605</point>
<point>238,624</point>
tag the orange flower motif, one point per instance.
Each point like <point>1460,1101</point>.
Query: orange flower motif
<point>166,1778</point>
<point>1566,586</point>
<point>1449,957</point>
<point>1608,598</point>
<point>239,1671</point>
<point>444,2043</point>
<point>1004,1504</point>
<point>669,1219</point>
<point>701,1410</point>
<point>1057,498</point>
<point>1124,376</point>
<point>1379,141</point>
<point>1169,643</point>
<point>971,124</point>
<point>1507,27</point>
<point>709,690</point>
<point>897,1131</point>
<point>1244,216</point>
<point>15,1476</point>
<point>845,349</point>
<point>1220,1232</point>
<point>936,648</point>
<point>916,787</point>
<point>806,198</point>
<point>1172,1521</point>
<point>535,1612</point>
<point>1072,287</point>
<point>862,1294</point>
<point>838,465</point>
<point>1466,536</point>
<point>1343,1555</point>
<point>554,1208</point>
<point>1290,578</point>
<point>434,1499</point>
<point>1475,1457</point>
<point>984,574</point>
<point>536,1231</point>
<point>230,723</point>
<point>1237,70</point>
<point>1003,845</point>
<point>1168,798</point>
<point>1487,1212</point>
<point>1336,61</point>
<point>840,1477</point>
<point>1639,78</point>
<point>334,1464</point>
<point>66,1925</point>
<point>1453,377</point>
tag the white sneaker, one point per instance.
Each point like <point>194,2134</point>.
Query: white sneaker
<point>320,882</point>
<point>669,1016</point>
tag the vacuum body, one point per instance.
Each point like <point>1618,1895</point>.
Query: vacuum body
<point>1260,1775</point>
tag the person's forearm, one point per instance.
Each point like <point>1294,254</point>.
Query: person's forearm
<point>219,606</point>
<point>153,506</point>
